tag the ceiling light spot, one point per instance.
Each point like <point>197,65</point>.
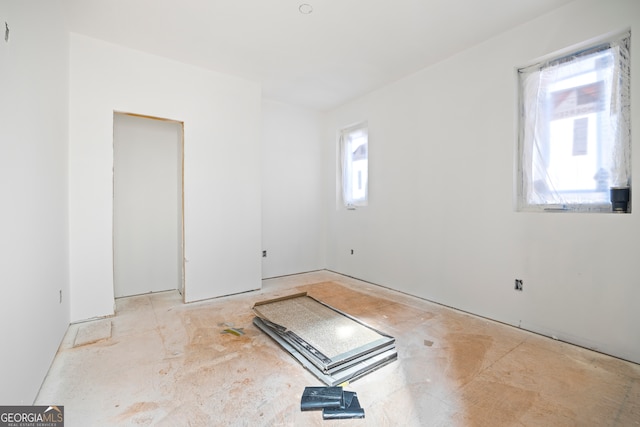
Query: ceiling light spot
<point>305,8</point>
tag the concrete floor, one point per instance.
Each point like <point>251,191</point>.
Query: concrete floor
<point>164,363</point>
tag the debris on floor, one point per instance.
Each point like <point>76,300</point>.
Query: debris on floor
<point>230,329</point>
<point>332,345</point>
<point>321,397</point>
<point>233,331</point>
<point>334,402</point>
<point>350,409</point>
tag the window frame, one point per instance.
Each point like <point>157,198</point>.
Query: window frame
<point>529,142</point>
<point>346,199</point>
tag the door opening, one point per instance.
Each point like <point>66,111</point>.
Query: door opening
<point>148,205</point>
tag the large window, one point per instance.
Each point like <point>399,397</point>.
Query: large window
<point>354,162</point>
<point>575,136</point>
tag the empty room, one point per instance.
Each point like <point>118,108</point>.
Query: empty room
<point>421,210</point>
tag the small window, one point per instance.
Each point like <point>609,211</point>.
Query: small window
<point>354,160</point>
<point>574,129</point>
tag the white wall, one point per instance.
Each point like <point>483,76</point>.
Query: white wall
<point>33,183</point>
<point>221,116</point>
<point>441,222</point>
<point>293,214</point>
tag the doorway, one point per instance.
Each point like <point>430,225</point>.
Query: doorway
<point>148,230</point>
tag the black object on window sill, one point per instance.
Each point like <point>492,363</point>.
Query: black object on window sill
<point>620,197</point>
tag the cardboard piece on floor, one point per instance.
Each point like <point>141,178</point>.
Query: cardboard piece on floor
<point>91,332</point>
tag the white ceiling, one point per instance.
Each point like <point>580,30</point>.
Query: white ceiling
<point>341,50</point>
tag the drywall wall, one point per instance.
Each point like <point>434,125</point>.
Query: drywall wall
<point>293,215</point>
<point>441,222</point>
<point>221,116</point>
<point>33,183</point>
<point>147,205</point>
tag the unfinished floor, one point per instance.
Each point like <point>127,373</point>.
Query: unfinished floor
<point>163,363</point>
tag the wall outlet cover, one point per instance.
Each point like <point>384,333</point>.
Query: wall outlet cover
<point>518,285</point>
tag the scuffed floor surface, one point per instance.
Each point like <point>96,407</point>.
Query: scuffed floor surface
<point>169,364</point>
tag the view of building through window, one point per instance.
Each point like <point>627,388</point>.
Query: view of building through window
<point>359,166</point>
<point>580,140</point>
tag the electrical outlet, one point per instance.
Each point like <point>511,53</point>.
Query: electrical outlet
<point>351,251</point>
<point>519,285</point>
<point>264,254</point>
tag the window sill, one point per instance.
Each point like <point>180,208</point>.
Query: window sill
<point>595,208</point>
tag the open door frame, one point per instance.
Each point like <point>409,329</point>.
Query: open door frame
<point>182,286</point>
